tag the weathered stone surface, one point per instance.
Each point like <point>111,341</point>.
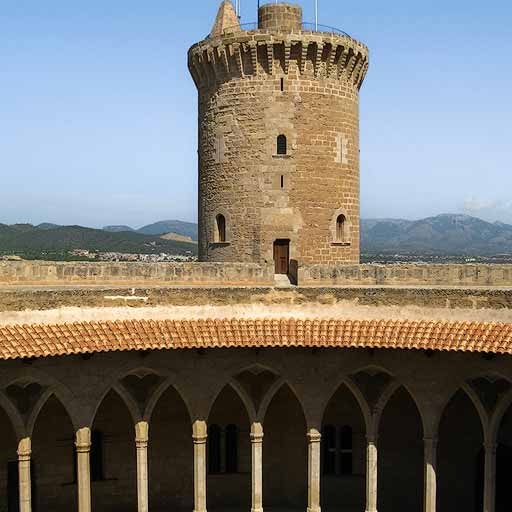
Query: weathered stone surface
<point>48,272</point>
<point>226,19</point>
<point>414,274</point>
<point>444,298</point>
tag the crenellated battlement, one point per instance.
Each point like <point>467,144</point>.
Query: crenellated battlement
<point>245,53</point>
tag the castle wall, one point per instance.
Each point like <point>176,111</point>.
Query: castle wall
<point>16,273</point>
<point>45,272</point>
<point>414,274</point>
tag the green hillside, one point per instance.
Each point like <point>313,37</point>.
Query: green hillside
<point>35,242</point>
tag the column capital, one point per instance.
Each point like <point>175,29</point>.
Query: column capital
<point>372,438</point>
<point>314,436</point>
<point>199,432</point>
<point>142,434</point>
<point>83,440</point>
<point>25,449</point>
<point>257,433</point>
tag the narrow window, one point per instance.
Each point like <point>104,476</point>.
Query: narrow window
<point>282,181</point>
<point>329,449</point>
<point>214,449</point>
<point>97,456</point>
<point>340,228</point>
<point>282,84</point>
<point>220,235</point>
<point>231,449</point>
<point>281,145</point>
<point>346,450</point>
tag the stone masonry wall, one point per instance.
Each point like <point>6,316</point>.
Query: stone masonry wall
<point>407,275</point>
<point>280,17</point>
<point>254,86</point>
<point>87,273</point>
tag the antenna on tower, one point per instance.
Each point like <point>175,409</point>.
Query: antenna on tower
<point>316,15</point>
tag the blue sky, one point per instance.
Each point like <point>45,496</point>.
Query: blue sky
<point>98,112</point>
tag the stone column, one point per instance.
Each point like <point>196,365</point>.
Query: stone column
<point>25,483</point>
<point>141,442</point>
<point>83,450</point>
<point>490,477</point>
<point>257,467</point>
<point>371,473</point>
<point>199,436</point>
<point>430,490</point>
<point>314,438</point>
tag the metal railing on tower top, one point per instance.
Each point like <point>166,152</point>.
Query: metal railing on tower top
<point>306,27</point>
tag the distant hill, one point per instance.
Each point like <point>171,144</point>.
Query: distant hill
<point>179,238</point>
<point>447,234</point>
<point>47,225</point>
<point>171,226</point>
<point>34,242</point>
<point>117,229</point>
<point>163,227</point>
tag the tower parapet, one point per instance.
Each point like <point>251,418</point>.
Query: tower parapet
<point>279,40</point>
<point>278,139</point>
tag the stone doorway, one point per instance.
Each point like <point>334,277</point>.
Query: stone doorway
<point>282,256</point>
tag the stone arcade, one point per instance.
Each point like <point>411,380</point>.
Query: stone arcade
<point>204,386</point>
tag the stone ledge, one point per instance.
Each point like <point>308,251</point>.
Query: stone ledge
<point>41,298</point>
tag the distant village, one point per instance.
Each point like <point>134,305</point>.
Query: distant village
<point>121,256</point>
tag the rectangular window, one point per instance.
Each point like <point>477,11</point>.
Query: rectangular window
<point>282,181</point>
<point>282,84</point>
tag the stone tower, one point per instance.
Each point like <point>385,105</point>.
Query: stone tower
<point>278,139</point>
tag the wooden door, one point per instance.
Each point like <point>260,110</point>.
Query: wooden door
<point>282,256</point>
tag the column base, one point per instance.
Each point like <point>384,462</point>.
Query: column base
<point>317,509</point>
<point>371,510</point>
<point>256,509</point>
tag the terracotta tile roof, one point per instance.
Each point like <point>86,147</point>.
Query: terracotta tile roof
<point>24,341</point>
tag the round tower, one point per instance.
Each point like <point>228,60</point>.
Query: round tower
<point>278,139</point>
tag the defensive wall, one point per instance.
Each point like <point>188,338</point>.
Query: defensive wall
<point>248,274</point>
<point>407,274</point>
<point>90,273</point>
<point>37,285</point>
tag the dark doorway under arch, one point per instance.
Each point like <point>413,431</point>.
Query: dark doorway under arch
<point>343,453</point>
<point>285,453</point>
<point>53,460</point>
<point>116,488</point>
<point>400,465</point>
<point>504,464</point>
<point>9,488</point>
<point>229,478</point>
<point>171,485</point>
<point>460,457</point>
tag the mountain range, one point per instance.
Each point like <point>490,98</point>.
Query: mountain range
<point>446,234</point>
<point>53,241</point>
